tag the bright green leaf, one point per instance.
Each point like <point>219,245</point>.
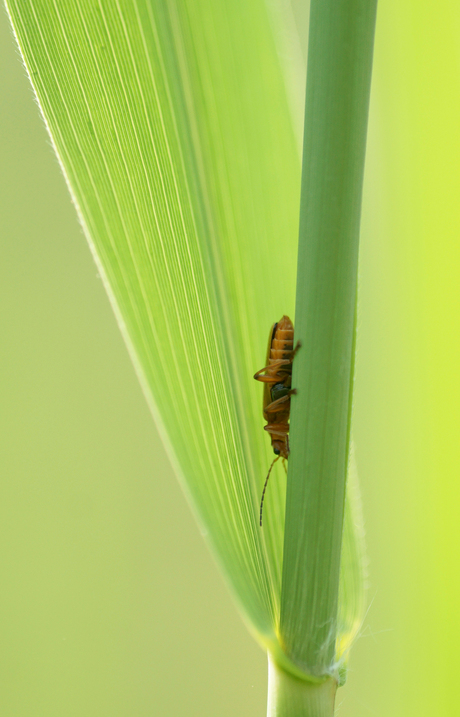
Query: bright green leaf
<point>172,125</point>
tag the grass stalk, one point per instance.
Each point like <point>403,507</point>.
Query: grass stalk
<point>289,696</point>
<point>337,99</point>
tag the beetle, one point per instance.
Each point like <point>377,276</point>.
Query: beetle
<point>277,376</point>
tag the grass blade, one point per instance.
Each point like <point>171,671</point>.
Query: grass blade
<point>172,125</point>
<point>173,130</point>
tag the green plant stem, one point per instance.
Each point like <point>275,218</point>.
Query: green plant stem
<point>291,697</point>
<point>338,88</point>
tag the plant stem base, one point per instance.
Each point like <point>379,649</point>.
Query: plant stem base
<point>291,697</point>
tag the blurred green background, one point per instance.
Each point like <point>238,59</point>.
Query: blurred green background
<point>111,604</point>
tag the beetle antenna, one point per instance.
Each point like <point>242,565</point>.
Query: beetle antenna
<point>265,487</point>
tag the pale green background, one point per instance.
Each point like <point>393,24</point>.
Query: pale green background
<point>111,605</point>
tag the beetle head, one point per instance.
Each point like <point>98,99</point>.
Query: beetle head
<point>280,449</point>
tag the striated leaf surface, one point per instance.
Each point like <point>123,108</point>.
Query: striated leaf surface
<point>172,125</point>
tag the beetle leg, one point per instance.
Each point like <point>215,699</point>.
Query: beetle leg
<point>297,347</point>
<point>277,429</point>
<point>266,379</point>
<point>273,407</point>
<point>287,361</point>
<point>278,362</point>
<point>270,379</point>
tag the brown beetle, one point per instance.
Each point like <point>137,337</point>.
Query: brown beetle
<point>277,376</point>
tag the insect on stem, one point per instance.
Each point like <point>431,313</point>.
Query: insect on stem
<point>276,377</point>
